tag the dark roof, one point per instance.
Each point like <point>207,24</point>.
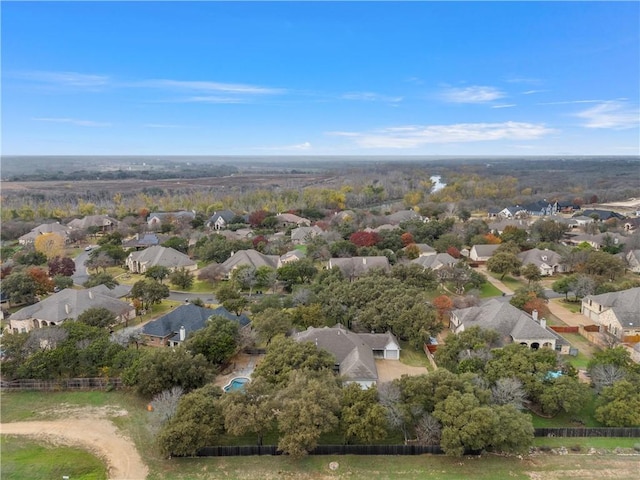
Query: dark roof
<point>191,317</point>
<point>602,214</point>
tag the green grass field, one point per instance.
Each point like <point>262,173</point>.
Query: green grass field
<point>488,290</point>
<point>23,462</point>
<point>25,459</point>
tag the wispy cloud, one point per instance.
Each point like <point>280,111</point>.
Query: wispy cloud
<point>504,105</point>
<point>72,121</point>
<point>210,87</point>
<point>298,147</point>
<point>473,94</point>
<point>531,92</point>
<point>415,135</point>
<point>371,97</point>
<point>612,114</point>
<point>63,79</point>
<point>570,102</point>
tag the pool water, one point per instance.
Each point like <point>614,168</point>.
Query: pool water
<point>235,384</point>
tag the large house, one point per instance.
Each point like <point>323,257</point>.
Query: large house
<point>220,220</point>
<point>252,258</point>
<point>512,324</point>
<point>156,219</point>
<point>173,328</point>
<point>633,261</point>
<point>68,304</point>
<point>355,353</point>
<point>436,262</point>
<point>289,219</point>
<point>618,311</point>
<point>140,262</point>
<point>100,223</point>
<point>548,261</point>
<point>45,229</point>
<point>353,267</point>
<point>145,240</point>
<point>302,235</point>
<point>482,253</point>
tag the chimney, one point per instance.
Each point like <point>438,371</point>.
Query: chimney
<point>534,314</point>
<point>183,333</point>
<point>90,294</point>
<point>67,308</point>
<point>543,323</point>
<point>364,260</point>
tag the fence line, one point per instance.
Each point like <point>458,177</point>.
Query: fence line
<point>628,432</point>
<point>97,383</point>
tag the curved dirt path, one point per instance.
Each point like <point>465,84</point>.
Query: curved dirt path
<point>97,435</point>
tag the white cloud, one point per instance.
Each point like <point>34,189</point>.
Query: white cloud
<point>612,114</point>
<point>206,86</point>
<point>288,148</point>
<point>473,94</point>
<point>371,97</point>
<point>570,102</point>
<point>68,79</point>
<point>73,121</point>
<point>416,136</point>
<point>531,92</point>
<point>505,105</point>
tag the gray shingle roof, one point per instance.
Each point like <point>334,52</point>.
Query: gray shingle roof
<point>539,257</point>
<point>625,304</point>
<point>435,261</point>
<point>354,266</point>
<point>70,303</point>
<point>352,353</point>
<point>164,256</point>
<point>505,319</point>
<point>252,258</point>
<point>191,317</point>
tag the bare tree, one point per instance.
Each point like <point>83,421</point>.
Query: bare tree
<point>509,391</point>
<point>605,375</point>
<point>428,430</point>
<point>163,407</point>
<point>390,398</point>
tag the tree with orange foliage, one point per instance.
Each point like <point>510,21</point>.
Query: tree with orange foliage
<point>412,251</point>
<point>538,304</point>
<point>443,305</point>
<point>407,239</point>
<point>41,278</point>
<point>492,239</point>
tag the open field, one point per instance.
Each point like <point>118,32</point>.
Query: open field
<point>128,414</point>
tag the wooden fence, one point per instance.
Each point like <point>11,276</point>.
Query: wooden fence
<point>561,329</point>
<point>97,383</point>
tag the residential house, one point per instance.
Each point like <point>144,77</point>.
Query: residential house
<point>220,220</point>
<point>289,219</point>
<point>155,219</point>
<point>98,223</point>
<point>45,229</point>
<point>68,304</point>
<point>423,249</point>
<point>355,353</point>
<point>252,258</point>
<point>548,261</point>
<point>512,212</point>
<point>436,262</point>
<point>141,261</point>
<point>632,224</point>
<point>512,324</point>
<point>403,216</point>
<point>619,312</point>
<point>582,220</point>
<point>602,215</point>
<point>291,256</point>
<point>541,208</point>
<point>633,260</point>
<point>173,328</point>
<point>497,228</point>
<point>302,235</point>
<point>353,267</point>
<point>599,240</point>
<point>482,253</point>
<point>146,240</point>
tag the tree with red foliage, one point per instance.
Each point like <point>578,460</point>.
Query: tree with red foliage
<point>61,266</point>
<point>539,304</point>
<point>5,271</point>
<point>364,239</point>
<point>443,305</point>
<point>454,252</point>
<point>256,218</point>
<point>407,239</point>
<point>492,239</point>
<point>260,242</point>
<point>43,283</point>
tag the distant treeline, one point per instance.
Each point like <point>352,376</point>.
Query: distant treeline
<point>184,171</point>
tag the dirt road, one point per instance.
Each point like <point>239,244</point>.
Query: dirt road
<point>97,435</point>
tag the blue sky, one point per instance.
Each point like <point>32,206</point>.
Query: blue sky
<point>320,78</point>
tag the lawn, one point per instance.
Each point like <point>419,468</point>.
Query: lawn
<point>26,459</point>
<point>586,415</point>
<point>573,307</point>
<point>412,357</point>
<point>586,442</point>
<point>488,290</point>
<point>31,405</point>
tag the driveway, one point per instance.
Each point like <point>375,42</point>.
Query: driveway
<point>80,276</point>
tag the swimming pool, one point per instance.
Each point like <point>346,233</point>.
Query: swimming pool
<point>236,383</point>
